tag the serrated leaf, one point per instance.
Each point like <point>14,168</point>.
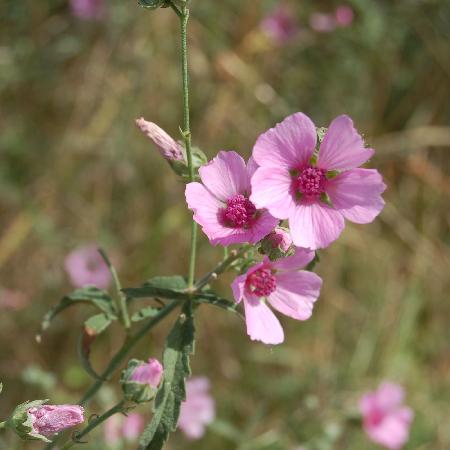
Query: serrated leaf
<point>90,295</point>
<point>153,4</point>
<point>179,345</point>
<point>163,287</point>
<point>144,313</point>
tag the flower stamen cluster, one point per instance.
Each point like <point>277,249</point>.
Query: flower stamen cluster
<point>261,283</point>
<point>239,213</point>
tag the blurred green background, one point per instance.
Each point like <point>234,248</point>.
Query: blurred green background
<point>74,169</point>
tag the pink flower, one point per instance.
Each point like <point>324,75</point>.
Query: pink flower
<point>280,26</point>
<point>221,204</point>
<point>85,267</point>
<point>118,427</point>
<point>280,283</point>
<point>386,420</point>
<point>315,192</point>
<point>322,23</point>
<point>48,420</point>
<point>168,148</point>
<point>88,9</point>
<point>13,300</point>
<point>198,410</point>
<point>148,373</point>
<point>344,16</point>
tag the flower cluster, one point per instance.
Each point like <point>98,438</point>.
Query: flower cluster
<point>298,174</point>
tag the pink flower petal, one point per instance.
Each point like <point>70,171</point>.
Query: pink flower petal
<point>226,176</point>
<point>356,194</point>
<point>299,260</point>
<point>342,148</point>
<point>251,166</point>
<point>272,189</point>
<point>315,225</point>
<point>262,325</point>
<point>296,293</point>
<point>262,227</point>
<point>289,145</point>
<point>389,395</point>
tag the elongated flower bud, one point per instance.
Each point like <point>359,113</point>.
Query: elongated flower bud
<point>37,421</point>
<point>140,380</point>
<point>168,147</point>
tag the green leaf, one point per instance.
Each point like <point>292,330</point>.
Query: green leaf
<point>212,299</point>
<point>92,328</point>
<point>162,287</point>
<point>89,294</point>
<point>144,313</point>
<point>153,4</point>
<point>179,345</point>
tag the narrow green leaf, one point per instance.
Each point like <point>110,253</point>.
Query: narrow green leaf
<point>179,345</point>
<point>90,295</point>
<point>98,323</point>
<point>212,299</point>
<point>144,313</point>
<point>161,287</point>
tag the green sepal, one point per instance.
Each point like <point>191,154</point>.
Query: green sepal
<point>133,391</point>
<point>153,4</point>
<point>321,132</point>
<point>179,345</point>
<point>22,422</point>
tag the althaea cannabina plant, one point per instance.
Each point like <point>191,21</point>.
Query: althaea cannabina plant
<point>287,201</point>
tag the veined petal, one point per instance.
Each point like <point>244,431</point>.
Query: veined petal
<point>262,226</point>
<point>262,325</point>
<point>272,189</point>
<point>342,147</point>
<point>296,293</point>
<point>315,225</point>
<point>298,260</point>
<point>357,194</point>
<point>226,175</point>
<point>289,145</point>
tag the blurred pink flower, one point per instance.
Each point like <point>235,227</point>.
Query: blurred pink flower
<point>11,299</point>
<point>221,204</point>
<point>315,194</point>
<point>279,25</point>
<point>344,16</point>
<point>85,267</point>
<point>168,147</point>
<point>386,420</point>
<point>88,9</point>
<point>322,23</point>
<point>198,410</point>
<point>48,420</point>
<point>133,426</point>
<point>148,373</point>
<point>281,283</point>
<point>127,427</point>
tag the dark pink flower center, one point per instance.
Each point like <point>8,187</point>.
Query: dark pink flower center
<point>239,213</point>
<point>261,282</point>
<point>311,181</point>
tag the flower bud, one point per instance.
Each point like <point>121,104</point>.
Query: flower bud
<point>168,147</point>
<point>140,380</point>
<point>37,421</point>
<point>276,244</point>
<point>154,4</point>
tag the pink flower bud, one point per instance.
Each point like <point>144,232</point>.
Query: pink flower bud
<point>280,238</point>
<point>280,25</point>
<point>85,267</point>
<point>344,16</point>
<point>148,373</point>
<point>88,9</point>
<point>48,420</point>
<point>169,149</point>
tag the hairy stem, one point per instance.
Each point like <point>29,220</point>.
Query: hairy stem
<point>122,300</point>
<point>93,424</point>
<point>220,268</point>
<point>184,18</point>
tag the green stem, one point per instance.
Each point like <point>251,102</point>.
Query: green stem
<point>93,424</point>
<point>122,300</point>
<point>220,268</point>
<point>184,18</point>
<point>120,356</point>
